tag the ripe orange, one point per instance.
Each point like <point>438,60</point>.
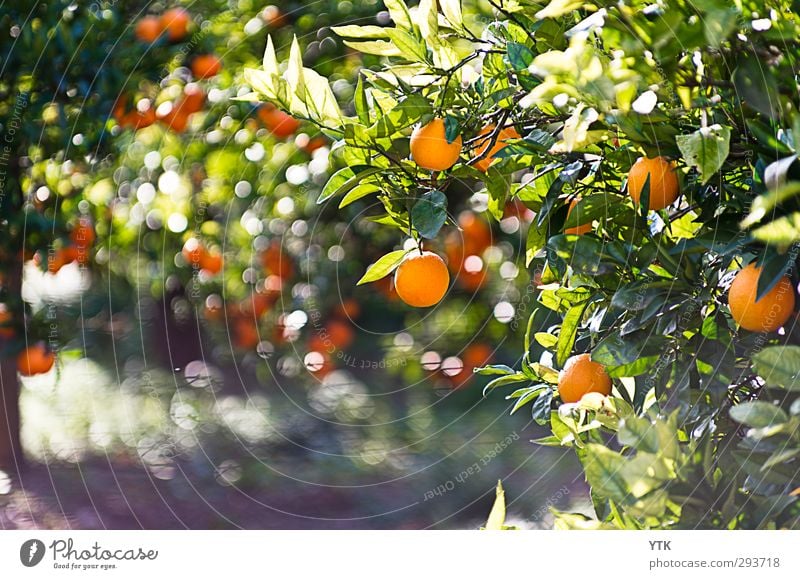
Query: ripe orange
<point>421,280</point>
<point>36,359</point>
<point>273,16</point>
<point>148,29</point>
<point>276,262</point>
<point>212,309</point>
<point>139,120</point>
<point>477,233</point>
<point>581,376</point>
<point>211,262</point>
<point>176,23</point>
<point>664,187</point>
<point>206,66</point>
<point>74,253</point>
<point>580,229</point>
<point>82,235</point>
<point>314,143</point>
<point>6,321</point>
<point>177,119</point>
<point>348,309</point>
<point>193,99</point>
<point>430,149</point>
<point>503,135</point>
<point>245,333</point>
<point>472,273</point>
<point>193,252</point>
<point>340,333</point>
<point>279,123</point>
<point>767,314</point>
<point>62,256</point>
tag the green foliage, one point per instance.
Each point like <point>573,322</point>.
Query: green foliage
<point>589,87</point>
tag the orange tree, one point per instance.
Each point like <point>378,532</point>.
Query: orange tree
<point>656,145</point>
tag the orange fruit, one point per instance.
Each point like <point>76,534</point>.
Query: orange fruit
<point>206,66</point>
<point>211,262</point>
<point>476,232</point>
<point>193,252</point>
<point>245,333</point>
<point>503,135</point>
<point>273,16</point>
<point>473,273</point>
<point>279,123</point>
<point>421,279</point>
<point>82,235</point>
<point>6,321</point>
<point>148,29</point>
<point>580,229</point>
<point>212,309</point>
<point>314,143</point>
<point>176,23</point>
<point>349,309</point>
<point>430,149</point>
<point>276,262</point>
<point>74,253</point>
<point>664,188</point>
<point>581,376</point>
<point>339,333</point>
<point>61,257</point>
<point>193,99</point>
<point>177,119</point>
<point>767,314</point>
<point>36,359</point>
<point>139,120</point>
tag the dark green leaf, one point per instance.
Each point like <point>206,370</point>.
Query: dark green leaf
<point>429,213</point>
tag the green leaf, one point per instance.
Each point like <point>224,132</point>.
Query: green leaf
<point>540,409</point>
<point>764,204</point>
<point>515,378</point>
<point>497,516</point>
<point>519,55</point>
<point>345,180</point>
<point>361,32</point>
<point>616,350</point>
<point>398,11</point>
<point>429,213</point>
<point>384,266</point>
<point>527,396</point>
<point>569,329</point>
<point>451,129</point>
<point>376,47</point>
<point>603,468</point>
<point>706,149</point>
<point>779,366</point>
<point>718,24</point>
<point>558,8</point>
<point>782,232</point>
<point>358,192</point>
<point>545,340</point>
<point>405,114</point>
<point>756,86</point>
<point>494,370</point>
<point>452,12</point>
<point>411,48</point>
<point>638,433</point>
<point>361,102</point>
<point>758,414</point>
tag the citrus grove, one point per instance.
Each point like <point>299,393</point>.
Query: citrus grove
<point>160,217</point>
<point>654,149</point>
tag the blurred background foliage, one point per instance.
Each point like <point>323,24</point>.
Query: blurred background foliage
<point>210,335</point>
